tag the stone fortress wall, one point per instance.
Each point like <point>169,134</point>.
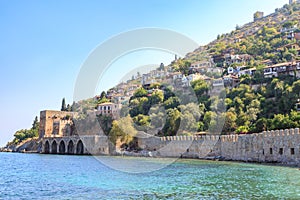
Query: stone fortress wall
<point>280,146</point>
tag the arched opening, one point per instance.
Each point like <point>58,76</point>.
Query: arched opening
<point>62,147</point>
<point>71,147</point>
<point>79,149</point>
<point>54,147</point>
<point>47,147</point>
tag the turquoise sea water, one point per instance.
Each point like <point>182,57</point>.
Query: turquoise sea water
<point>34,176</point>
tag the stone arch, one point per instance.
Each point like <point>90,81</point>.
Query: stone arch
<point>62,147</point>
<point>71,147</point>
<point>47,147</point>
<point>79,148</point>
<point>54,147</point>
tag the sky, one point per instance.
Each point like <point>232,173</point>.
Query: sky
<point>43,44</point>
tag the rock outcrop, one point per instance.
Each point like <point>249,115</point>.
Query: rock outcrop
<point>31,145</point>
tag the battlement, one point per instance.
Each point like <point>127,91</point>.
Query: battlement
<point>233,138</point>
<point>264,134</point>
<point>190,138</point>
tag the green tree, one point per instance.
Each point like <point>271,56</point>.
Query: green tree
<point>157,97</point>
<point>242,129</point>
<point>172,102</point>
<point>35,124</point>
<point>63,105</point>
<point>261,125</point>
<point>172,122</point>
<point>289,24</point>
<point>141,92</point>
<point>157,119</point>
<point>122,130</point>
<point>209,119</point>
<point>201,88</point>
<point>230,122</point>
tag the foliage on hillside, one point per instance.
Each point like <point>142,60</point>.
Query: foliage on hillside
<point>24,134</point>
<point>255,105</point>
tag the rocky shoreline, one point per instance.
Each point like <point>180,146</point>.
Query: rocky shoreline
<point>32,145</point>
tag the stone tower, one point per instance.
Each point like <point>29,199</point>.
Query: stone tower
<point>55,123</point>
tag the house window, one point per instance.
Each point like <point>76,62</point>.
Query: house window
<point>271,151</point>
<point>263,152</point>
<point>292,151</point>
<point>281,151</point>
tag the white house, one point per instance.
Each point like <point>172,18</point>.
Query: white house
<point>109,109</point>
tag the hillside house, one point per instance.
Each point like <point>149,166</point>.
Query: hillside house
<point>186,80</point>
<point>249,72</point>
<point>200,64</point>
<point>237,59</point>
<point>290,29</point>
<point>220,58</point>
<point>109,109</point>
<point>297,36</point>
<point>287,68</point>
<point>120,99</point>
<point>176,75</point>
<point>147,79</point>
<point>231,81</point>
<point>218,82</point>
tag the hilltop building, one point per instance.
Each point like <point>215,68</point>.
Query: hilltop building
<point>258,15</point>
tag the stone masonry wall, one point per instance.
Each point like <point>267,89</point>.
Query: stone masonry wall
<point>95,145</point>
<point>280,146</point>
<point>47,119</point>
<point>182,146</point>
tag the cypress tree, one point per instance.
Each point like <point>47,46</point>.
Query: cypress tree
<point>63,105</point>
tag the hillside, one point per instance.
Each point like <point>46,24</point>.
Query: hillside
<point>260,38</point>
<point>245,81</point>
